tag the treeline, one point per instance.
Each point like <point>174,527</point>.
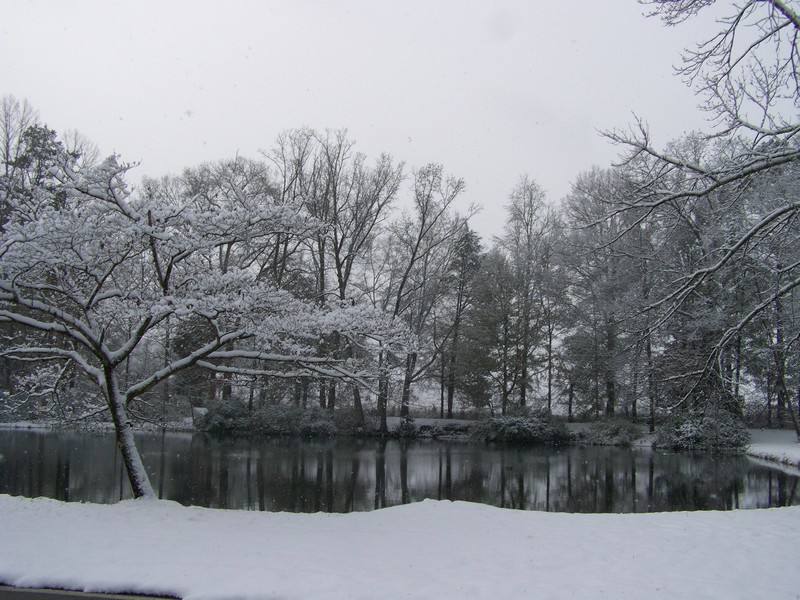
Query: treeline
<point>603,304</point>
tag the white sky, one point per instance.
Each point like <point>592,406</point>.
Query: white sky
<point>491,89</point>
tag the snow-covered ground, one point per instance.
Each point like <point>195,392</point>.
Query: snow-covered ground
<point>430,549</point>
<point>426,550</point>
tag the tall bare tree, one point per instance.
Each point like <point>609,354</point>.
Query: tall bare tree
<point>15,117</point>
<point>419,252</point>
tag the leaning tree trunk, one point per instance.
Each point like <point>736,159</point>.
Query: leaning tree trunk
<point>137,475</point>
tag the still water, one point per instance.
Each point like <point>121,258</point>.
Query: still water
<point>344,475</point>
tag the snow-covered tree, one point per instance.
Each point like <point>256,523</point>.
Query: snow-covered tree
<point>422,247</point>
<point>748,78</point>
<point>350,200</point>
<point>100,272</point>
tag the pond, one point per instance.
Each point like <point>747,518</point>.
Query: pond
<point>344,475</point>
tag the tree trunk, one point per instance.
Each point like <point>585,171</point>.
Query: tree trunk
<point>526,344</point>
<point>737,371</point>
<point>451,384</point>
<point>227,385</point>
<point>331,396</point>
<point>137,475</point>
<point>321,274</point>
<point>596,373</point>
<point>779,356</point>
<point>784,400</point>
<point>441,389</point>
<point>610,375</point>
<point>341,349</point>
<point>523,380</point>
<point>166,384</point>
<point>505,390</point>
<point>411,363</point>
<point>651,385</point>
<point>795,420</point>
<point>297,394</point>
<point>383,392</point>
<point>570,400</point>
<point>357,406</point>
<point>451,374</point>
<point>212,388</point>
<point>635,384</point>
<point>611,395</point>
<point>549,365</point>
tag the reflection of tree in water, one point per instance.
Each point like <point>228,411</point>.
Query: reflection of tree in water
<point>355,467</point>
<point>696,482</point>
<point>445,491</point>
<point>62,476</point>
<point>380,474</point>
<point>405,495</point>
<point>162,465</point>
<point>574,479</point>
<point>347,475</point>
<point>785,493</point>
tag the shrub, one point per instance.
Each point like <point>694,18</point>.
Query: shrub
<point>406,429</point>
<point>531,429</point>
<point>275,419</point>
<point>719,430</point>
<point>346,421</point>
<point>316,422</point>
<point>444,429</point>
<point>233,418</point>
<point>225,418</point>
<point>614,432</point>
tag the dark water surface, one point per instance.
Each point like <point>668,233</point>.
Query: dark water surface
<point>343,475</point>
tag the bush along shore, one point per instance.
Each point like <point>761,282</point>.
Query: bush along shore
<point>687,432</point>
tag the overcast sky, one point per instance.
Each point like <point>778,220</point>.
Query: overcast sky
<point>491,90</point>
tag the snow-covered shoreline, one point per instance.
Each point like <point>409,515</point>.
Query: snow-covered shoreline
<point>775,445</point>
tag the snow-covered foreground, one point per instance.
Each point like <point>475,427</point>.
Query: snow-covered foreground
<point>430,549</point>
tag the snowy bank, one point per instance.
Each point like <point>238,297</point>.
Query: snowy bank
<point>426,550</point>
<point>778,445</point>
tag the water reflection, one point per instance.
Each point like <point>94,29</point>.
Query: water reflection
<point>346,475</point>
